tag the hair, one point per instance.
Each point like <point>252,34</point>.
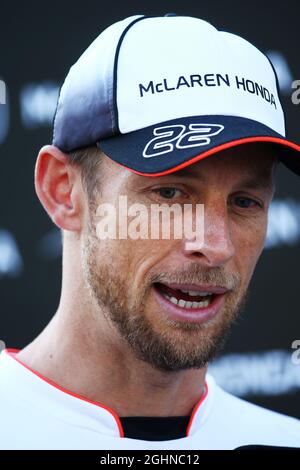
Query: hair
<point>88,160</point>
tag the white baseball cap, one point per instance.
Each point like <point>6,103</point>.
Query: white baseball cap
<point>159,93</point>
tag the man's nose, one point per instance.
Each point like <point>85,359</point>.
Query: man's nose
<point>217,246</point>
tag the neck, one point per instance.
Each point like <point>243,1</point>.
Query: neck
<point>82,352</point>
<point>96,363</point>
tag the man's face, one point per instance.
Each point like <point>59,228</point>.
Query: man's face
<point>129,278</point>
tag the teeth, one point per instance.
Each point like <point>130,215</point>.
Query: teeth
<point>188,304</point>
<point>173,300</point>
<point>195,292</point>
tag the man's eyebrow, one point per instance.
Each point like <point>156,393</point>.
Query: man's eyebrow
<point>256,181</point>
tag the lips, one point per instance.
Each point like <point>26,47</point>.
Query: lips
<point>187,295</point>
<point>197,287</point>
<point>190,302</point>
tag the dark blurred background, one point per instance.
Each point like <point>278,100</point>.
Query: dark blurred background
<point>39,41</point>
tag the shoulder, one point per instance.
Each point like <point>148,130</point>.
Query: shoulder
<point>251,423</point>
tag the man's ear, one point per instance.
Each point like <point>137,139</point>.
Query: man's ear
<point>59,188</point>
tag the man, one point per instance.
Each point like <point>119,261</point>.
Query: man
<point>123,363</point>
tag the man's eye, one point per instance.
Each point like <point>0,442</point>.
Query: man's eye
<point>246,202</point>
<point>168,193</point>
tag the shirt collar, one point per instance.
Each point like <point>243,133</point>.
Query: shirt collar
<point>27,384</point>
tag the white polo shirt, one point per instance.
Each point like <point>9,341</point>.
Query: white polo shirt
<point>36,414</point>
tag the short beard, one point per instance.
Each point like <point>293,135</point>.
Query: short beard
<point>177,347</point>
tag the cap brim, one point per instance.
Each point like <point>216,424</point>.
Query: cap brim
<point>170,146</point>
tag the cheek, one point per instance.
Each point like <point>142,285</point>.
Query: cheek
<point>128,256</point>
<point>140,258</point>
<point>144,256</point>
<point>249,243</point>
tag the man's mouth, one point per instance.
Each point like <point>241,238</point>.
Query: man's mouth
<point>186,298</point>
<point>190,302</point>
